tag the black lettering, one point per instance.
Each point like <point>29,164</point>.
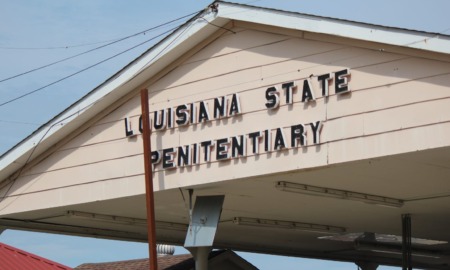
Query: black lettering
<point>182,115</point>
<point>128,130</point>
<point>280,142</point>
<point>168,158</point>
<point>195,154</point>
<point>298,133</point>
<point>325,83</point>
<point>272,97</point>
<point>155,157</point>
<point>169,118</point>
<point>341,81</point>
<point>141,124</point>
<point>193,113</point>
<point>235,106</point>
<point>267,140</point>
<point>316,127</point>
<point>220,107</point>
<point>238,146</point>
<point>254,137</point>
<point>307,93</point>
<point>203,113</point>
<point>288,88</point>
<point>184,156</point>
<point>159,122</point>
<point>222,149</point>
<point>207,149</point>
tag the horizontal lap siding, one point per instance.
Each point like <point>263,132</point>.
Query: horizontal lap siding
<point>74,194</point>
<point>390,108</point>
<point>398,104</point>
<point>390,143</point>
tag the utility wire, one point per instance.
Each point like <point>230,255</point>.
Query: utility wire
<point>67,117</point>
<point>164,49</point>
<point>18,122</point>
<point>96,48</point>
<point>57,47</point>
<point>61,47</point>
<point>13,181</point>
<point>218,26</point>
<point>84,69</point>
<point>23,167</point>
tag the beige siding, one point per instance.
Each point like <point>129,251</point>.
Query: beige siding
<point>399,103</point>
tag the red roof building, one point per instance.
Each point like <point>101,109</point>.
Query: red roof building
<point>218,260</point>
<point>12,258</point>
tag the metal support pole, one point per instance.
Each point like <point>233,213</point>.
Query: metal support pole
<point>406,242</point>
<point>200,255</point>
<point>151,232</point>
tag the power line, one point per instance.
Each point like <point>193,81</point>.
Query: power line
<point>218,26</point>
<point>82,44</point>
<point>167,46</point>
<point>67,117</point>
<point>58,47</point>
<point>84,69</point>
<point>18,122</point>
<point>97,48</point>
<point>13,181</point>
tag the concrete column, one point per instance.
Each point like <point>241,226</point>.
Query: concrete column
<point>200,255</point>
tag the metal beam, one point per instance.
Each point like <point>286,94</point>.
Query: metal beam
<point>29,225</point>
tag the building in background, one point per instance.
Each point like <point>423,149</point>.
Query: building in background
<point>218,260</point>
<point>12,258</point>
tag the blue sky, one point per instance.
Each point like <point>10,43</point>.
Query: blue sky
<point>35,33</point>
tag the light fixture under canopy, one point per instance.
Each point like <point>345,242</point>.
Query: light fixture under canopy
<point>338,193</point>
<point>292,225</point>
<point>127,220</point>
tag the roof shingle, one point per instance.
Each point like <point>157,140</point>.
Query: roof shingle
<point>170,262</point>
<point>12,258</point>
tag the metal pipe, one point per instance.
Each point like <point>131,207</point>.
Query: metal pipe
<point>146,133</point>
<point>201,260</point>
<point>406,242</point>
<point>201,256</point>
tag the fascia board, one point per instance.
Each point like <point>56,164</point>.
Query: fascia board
<point>354,30</point>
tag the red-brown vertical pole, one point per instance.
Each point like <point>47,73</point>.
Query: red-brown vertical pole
<point>148,181</point>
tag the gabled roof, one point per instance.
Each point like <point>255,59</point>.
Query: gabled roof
<point>12,258</point>
<point>183,39</point>
<point>168,262</point>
